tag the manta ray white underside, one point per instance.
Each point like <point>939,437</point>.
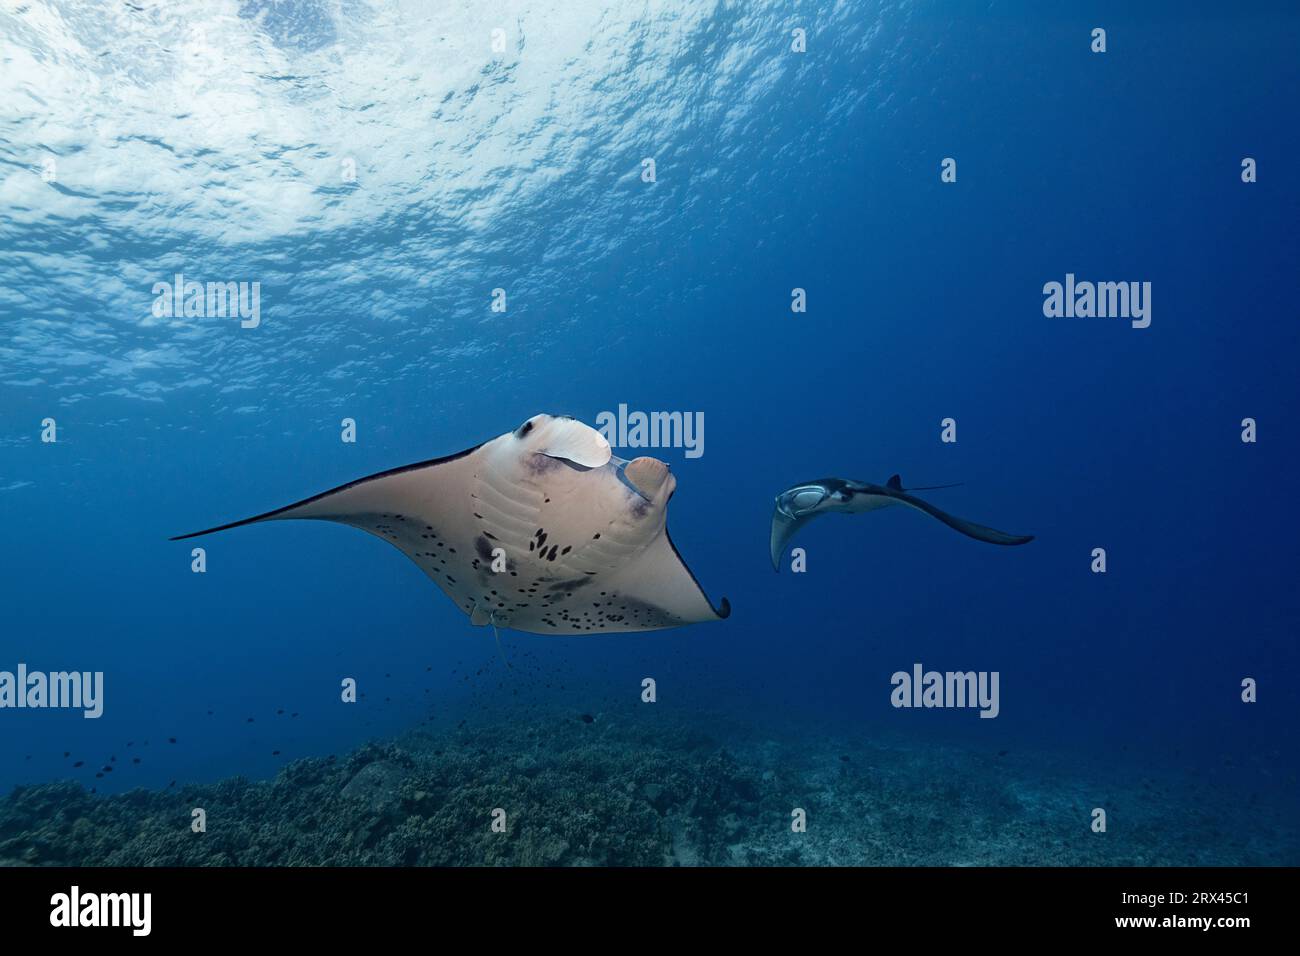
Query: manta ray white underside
<point>578,537</point>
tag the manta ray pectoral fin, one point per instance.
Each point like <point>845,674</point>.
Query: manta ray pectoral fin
<point>657,589</point>
<point>784,527</point>
<point>378,493</point>
<point>969,528</point>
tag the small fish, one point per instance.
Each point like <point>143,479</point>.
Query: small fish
<point>171,740</point>
<point>587,718</point>
<point>79,763</point>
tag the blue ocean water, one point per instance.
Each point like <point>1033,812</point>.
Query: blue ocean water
<point>380,169</point>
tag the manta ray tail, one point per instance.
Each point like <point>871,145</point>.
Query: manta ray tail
<point>492,619</point>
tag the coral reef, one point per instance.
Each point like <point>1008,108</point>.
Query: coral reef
<point>611,791</point>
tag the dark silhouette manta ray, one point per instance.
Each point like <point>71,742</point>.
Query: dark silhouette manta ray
<point>798,505</point>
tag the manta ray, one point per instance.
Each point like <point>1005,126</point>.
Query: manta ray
<point>541,529</point>
<point>796,506</point>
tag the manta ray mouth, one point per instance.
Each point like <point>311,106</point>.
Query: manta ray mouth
<point>567,461</point>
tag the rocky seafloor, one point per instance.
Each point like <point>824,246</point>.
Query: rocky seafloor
<point>583,790</point>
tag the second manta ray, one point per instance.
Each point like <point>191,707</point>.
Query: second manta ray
<point>541,529</point>
<point>797,506</point>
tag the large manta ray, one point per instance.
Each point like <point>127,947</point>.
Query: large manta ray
<point>541,529</point>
